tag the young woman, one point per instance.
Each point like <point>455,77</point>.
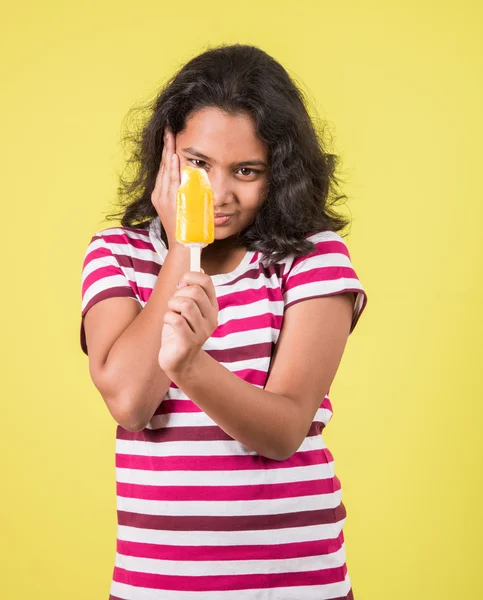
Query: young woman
<point>219,380</point>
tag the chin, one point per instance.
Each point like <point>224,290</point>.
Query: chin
<point>224,233</point>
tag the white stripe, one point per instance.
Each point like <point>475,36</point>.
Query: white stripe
<point>287,535</point>
<point>319,261</point>
<point>248,284</point>
<point>242,477</point>
<point>191,568</point>
<point>306,592</point>
<point>176,394</point>
<point>232,508</point>
<point>200,419</point>
<point>326,236</point>
<point>201,448</point>
<point>143,280</point>
<point>321,288</point>
<point>104,284</point>
<point>126,233</point>
<point>257,364</point>
<point>254,309</point>
<point>240,338</point>
<point>126,249</point>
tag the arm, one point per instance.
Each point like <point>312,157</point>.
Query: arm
<point>123,340</point>
<point>274,421</point>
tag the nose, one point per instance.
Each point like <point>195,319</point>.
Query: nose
<point>221,186</point>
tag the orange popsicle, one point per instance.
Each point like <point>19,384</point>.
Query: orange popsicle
<point>195,218</point>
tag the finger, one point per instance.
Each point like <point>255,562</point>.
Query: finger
<point>169,145</point>
<point>174,176</point>
<point>159,176</point>
<point>178,323</point>
<point>188,309</point>
<point>205,282</point>
<point>198,295</point>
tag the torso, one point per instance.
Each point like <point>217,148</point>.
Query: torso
<point>197,510</point>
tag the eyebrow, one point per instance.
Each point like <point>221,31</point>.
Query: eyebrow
<point>245,163</point>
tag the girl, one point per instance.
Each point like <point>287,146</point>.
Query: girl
<point>219,380</point>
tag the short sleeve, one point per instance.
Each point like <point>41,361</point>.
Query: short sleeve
<point>102,278</point>
<point>326,271</point>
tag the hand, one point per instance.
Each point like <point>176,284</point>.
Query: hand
<point>190,321</point>
<point>167,183</point>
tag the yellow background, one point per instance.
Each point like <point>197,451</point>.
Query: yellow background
<point>400,84</point>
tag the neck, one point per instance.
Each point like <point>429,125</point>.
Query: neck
<point>221,248</point>
<point>222,256</point>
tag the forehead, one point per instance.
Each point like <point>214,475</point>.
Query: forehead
<point>223,137</point>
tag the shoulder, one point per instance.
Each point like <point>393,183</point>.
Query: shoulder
<point>328,242</point>
<point>123,241</point>
<point>130,236</point>
<point>329,248</point>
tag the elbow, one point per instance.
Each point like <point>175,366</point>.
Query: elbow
<point>122,405</point>
<point>277,455</point>
<point>282,449</point>
<point>127,417</point>
<point>125,411</point>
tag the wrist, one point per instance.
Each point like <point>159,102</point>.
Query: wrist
<point>174,246</point>
<point>190,370</point>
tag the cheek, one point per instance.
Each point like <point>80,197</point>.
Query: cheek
<point>253,197</point>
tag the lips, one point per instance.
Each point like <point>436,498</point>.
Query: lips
<point>222,218</point>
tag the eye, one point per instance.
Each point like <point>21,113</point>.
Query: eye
<point>198,163</point>
<point>246,172</point>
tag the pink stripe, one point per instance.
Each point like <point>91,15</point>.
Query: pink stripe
<point>219,493</point>
<point>139,265</point>
<point>114,292</point>
<point>115,238</point>
<point>330,247</point>
<point>249,324</point>
<point>326,403</point>
<point>225,553</point>
<point>242,298</point>
<point>321,249</point>
<point>222,463</point>
<point>320,275</point>
<point>212,583</point>
<point>101,273</point>
<point>144,293</point>
<point>253,376</point>
<point>245,352</point>
<point>307,518</point>
<point>137,230</point>
<point>101,252</point>
<point>169,407</point>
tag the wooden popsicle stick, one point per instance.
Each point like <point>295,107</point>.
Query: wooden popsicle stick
<point>195,259</point>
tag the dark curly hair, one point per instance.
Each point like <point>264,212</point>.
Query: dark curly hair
<point>302,185</point>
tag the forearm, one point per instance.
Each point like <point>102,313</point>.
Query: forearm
<point>135,378</point>
<point>268,423</point>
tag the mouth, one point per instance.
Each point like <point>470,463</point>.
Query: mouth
<point>221,219</point>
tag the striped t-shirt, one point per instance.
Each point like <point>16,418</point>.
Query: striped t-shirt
<point>199,514</point>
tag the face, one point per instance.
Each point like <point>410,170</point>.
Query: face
<point>236,161</point>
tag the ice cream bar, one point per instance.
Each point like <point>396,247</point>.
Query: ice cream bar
<point>195,215</point>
